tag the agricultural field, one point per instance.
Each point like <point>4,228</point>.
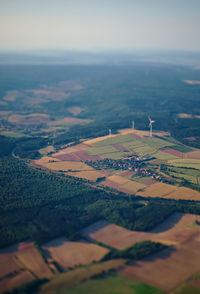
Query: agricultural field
<point>70,254</point>
<point>157,190</point>
<point>65,281</point>
<point>114,283</point>
<point>171,267</point>
<point>164,270</point>
<point>147,181</point>
<point>186,162</point>
<point>21,263</point>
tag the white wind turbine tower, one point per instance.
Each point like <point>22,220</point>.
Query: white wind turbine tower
<point>150,125</point>
<point>110,132</point>
<point>133,125</point>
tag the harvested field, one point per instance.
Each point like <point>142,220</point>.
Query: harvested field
<point>69,254</point>
<point>185,194</point>
<point>75,110</point>
<point>166,269</point>
<point>157,190</point>
<point>133,187</point>
<point>91,175</point>
<point>126,174</point>
<point>21,263</point>
<point>15,280</point>
<point>118,179</point>
<point>98,139</point>
<point>8,264</point>
<point>114,185</point>
<point>113,235</point>
<point>177,229</point>
<point>33,261</point>
<point>65,166</point>
<point>193,154</point>
<point>114,139</point>
<point>173,152</point>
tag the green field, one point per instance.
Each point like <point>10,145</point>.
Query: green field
<point>188,163</point>
<point>115,140</point>
<point>62,283</point>
<point>156,142</point>
<point>112,284</point>
<point>182,148</point>
<point>107,151</point>
<point>144,150</point>
<point>13,134</point>
<point>164,156</point>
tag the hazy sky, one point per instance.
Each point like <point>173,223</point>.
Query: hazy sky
<point>99,24</point>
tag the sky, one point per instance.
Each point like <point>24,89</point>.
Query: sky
<point>99,24</point>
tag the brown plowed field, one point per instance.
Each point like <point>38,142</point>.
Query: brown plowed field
<point>32,261</point>
<point>173,152</point>
<point>176,229</point>
<point>168,268</point>
<point>20,264</point>
<point>113,235</point>
<point>15,280</point>
<point>69,254</point>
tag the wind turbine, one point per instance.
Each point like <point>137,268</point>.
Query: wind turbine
<point>110,132</point>
<point>150,125</point>
<point>133,125</point>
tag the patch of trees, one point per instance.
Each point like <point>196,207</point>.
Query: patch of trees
<point>135,252</point>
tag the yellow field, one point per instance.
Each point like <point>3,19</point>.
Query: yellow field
<point>141,133</point>
<point>95,140</point>
<point>91,175</point>
<point>62,165</point>
<point>157,190</point>
<point>133,186</point>
<point>118,179</point>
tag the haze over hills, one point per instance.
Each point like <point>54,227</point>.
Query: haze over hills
<point>190,58</point>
